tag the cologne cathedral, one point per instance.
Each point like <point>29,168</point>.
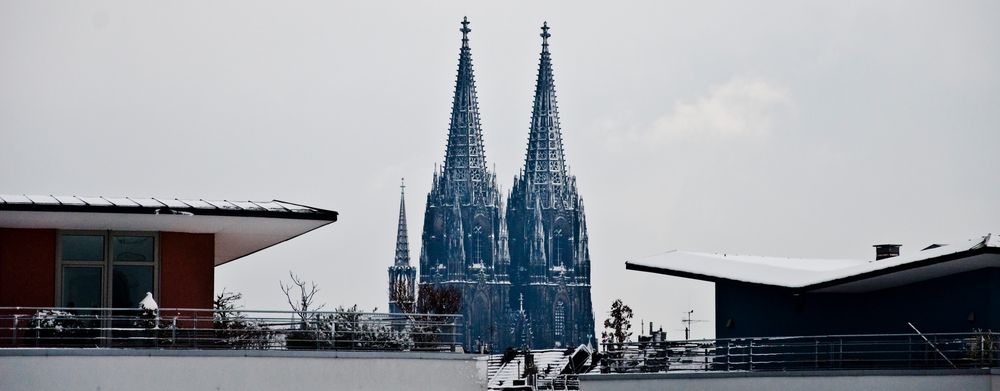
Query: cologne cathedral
<point>521,264</point>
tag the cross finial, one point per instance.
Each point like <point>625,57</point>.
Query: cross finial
<point>465,30</point>
<point>545,35</point>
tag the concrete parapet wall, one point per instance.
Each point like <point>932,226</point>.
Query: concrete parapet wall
<point>173,370</point>
<point>882,380</point>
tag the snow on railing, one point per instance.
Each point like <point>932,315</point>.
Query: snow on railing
<point>868,351</point>
<point>187,328</point>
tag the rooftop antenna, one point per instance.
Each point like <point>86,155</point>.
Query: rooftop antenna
<point>687,324</point>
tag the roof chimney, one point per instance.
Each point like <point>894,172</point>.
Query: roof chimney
<point>883,251</point>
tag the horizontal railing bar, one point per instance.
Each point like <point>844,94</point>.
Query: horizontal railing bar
<point>244,311</point>
<point>172,328</point>
<point>849,351</point>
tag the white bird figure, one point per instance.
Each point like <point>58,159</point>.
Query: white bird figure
<point>148,303</point>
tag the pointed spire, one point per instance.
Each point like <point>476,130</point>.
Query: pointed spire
<point>465,157</point>
<point>402,242</point>
<point>545,163</point>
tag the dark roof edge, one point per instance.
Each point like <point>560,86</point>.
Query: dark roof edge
<point>319,214</point>
<point>695,276</point>
<point>903,267</point>
<point>825,284</point>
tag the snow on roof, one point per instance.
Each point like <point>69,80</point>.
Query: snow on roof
<point>272,208</point>
<point>240,228</point>
<point>815,274</point>
<point>549,362</point>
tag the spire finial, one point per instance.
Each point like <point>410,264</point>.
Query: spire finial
<point>402,185</point>
<point>545,36</point>
<point>465,31</point>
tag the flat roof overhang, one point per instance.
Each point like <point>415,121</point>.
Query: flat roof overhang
<point>866,282</point>
<point>861,277</point>
<point>240,229</point>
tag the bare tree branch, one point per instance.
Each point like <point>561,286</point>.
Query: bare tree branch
<point>306,295</point>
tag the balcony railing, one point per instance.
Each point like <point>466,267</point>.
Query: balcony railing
<point>182,328</point>
<point>829,352</point>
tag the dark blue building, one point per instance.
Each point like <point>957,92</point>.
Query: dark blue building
<point>942,289</point>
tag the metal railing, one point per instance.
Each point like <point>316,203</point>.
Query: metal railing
<point>828,352</point>
<point>183,328</point>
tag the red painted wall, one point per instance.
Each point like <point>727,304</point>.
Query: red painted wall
<point>27,267</point>
<point>187,270</point>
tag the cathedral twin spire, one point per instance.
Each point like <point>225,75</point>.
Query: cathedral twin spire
<point>531,246</point>
<point>465,157</point>
<point>544,163</point>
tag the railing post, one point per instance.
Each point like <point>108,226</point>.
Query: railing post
<point>840,357</point>
<point>994,344</point>
<point>909,351</point>
<point>729,346</point>
<point>13,332</point>
<point>453,337</point>
<point>173,330</point>
<point>750,356</point>
<point>197,330</point>
<point>816,353</point>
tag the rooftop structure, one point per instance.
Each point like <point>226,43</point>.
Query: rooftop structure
<point>240,228</point>
<point>103,252</point>
<point>943,289</point>
<point>827,275</point>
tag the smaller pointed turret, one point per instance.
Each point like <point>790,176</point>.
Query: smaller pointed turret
<point>402,276</point>
<point>402,242</point>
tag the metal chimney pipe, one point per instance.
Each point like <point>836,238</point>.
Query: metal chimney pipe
<point>883,251</point>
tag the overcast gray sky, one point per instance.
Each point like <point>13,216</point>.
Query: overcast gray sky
<point>786,128</point>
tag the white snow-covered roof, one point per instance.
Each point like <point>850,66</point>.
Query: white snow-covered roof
<point>827,275</point>
<point>240,228</point>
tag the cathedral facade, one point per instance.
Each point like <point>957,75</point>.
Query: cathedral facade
<point>522,265</point>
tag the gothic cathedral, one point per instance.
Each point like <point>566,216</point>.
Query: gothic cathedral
<point>522,267</point>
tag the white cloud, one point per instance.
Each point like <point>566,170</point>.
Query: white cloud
<point>738,108</point>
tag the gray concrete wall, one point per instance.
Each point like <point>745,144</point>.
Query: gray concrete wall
<point>150,370</point>
<point>905,380</point>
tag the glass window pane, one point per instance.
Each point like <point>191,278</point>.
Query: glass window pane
<point>81,287</point>
<point>133,248</point>
<point>82,248</point>
<point>130,284</point>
